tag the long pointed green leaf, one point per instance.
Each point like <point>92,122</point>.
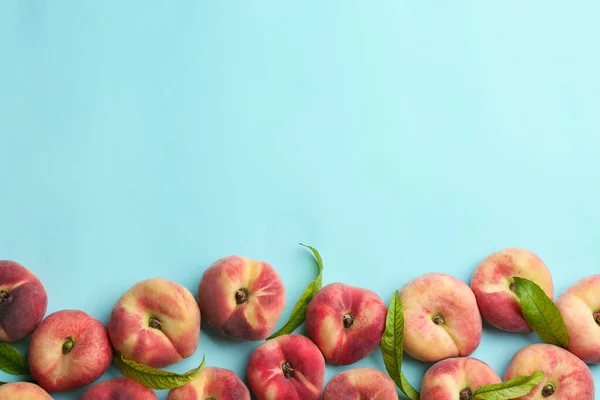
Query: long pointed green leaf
<point>299,312</point>
<point>540,312</point>
<point>392,346</point>
<point>155,378</point>
<point>12,361</point>
<point>512,389</point>
<point>408,389</point>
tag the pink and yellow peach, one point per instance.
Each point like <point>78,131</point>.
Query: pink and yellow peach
<point>360,383</point>
<point>212,383</point>
<point>493,286</point>
<point>23,391</point>
<point>23,301</point>
<point>456,378</point>
<point>346,322</point>
<point>441,318</point>
<point>580,308</point>
<point>566,376</point>
<point>286,367</point>
<point>156,322</point>
<point>241,298</point>
<point>118,389</point>
<point>68,350</point>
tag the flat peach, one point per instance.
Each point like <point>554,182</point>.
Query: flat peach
<point>441,318</point>
<point>493,285</point>
<point>212,383</point>
<point>156,322</point>
<point>241,298</point>
<point>346,322</point>
<point>23,391</point>
<point>362,383</point>
<point>68,350</point>
<point>287,367</point>
<point>580,308</point>
<point>456,379</point>
<point>23,301</point>
<point>118,389</point>
<point>566,376</point>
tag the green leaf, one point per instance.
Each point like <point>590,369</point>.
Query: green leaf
<point>299,312</point>
<point>392,346</point>
<point>12,361</point>
<point>408,389</point>
<point>512,389</point>
<point>155,378</point>
<point>541,313</point>
<point>392,341</point>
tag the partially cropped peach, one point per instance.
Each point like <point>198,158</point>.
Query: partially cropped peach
<point>156,322</point>
<point>346,322</point>
<point>580,308</point>
<point>286,367</point>
<point>566,376</point>
<point>360,383</point>
<point>118,389</point>
<point>441,318</point>
<point>212,383</point>
<point>241,298</point>
<point>23,301</point>
<point>68,350</point>
<point>493,285</point>
<point>23,391</point>
<point>456,378</point>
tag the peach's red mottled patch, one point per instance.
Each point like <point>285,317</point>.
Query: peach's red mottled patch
<point>360,383</point>
<point>215,383</point>
<point>118,389</point>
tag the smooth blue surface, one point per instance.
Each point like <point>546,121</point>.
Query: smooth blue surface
<point>142,139</point>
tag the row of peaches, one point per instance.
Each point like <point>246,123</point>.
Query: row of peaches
<point>156,323</point>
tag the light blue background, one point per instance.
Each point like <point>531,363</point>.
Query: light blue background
<point>142,139</point>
